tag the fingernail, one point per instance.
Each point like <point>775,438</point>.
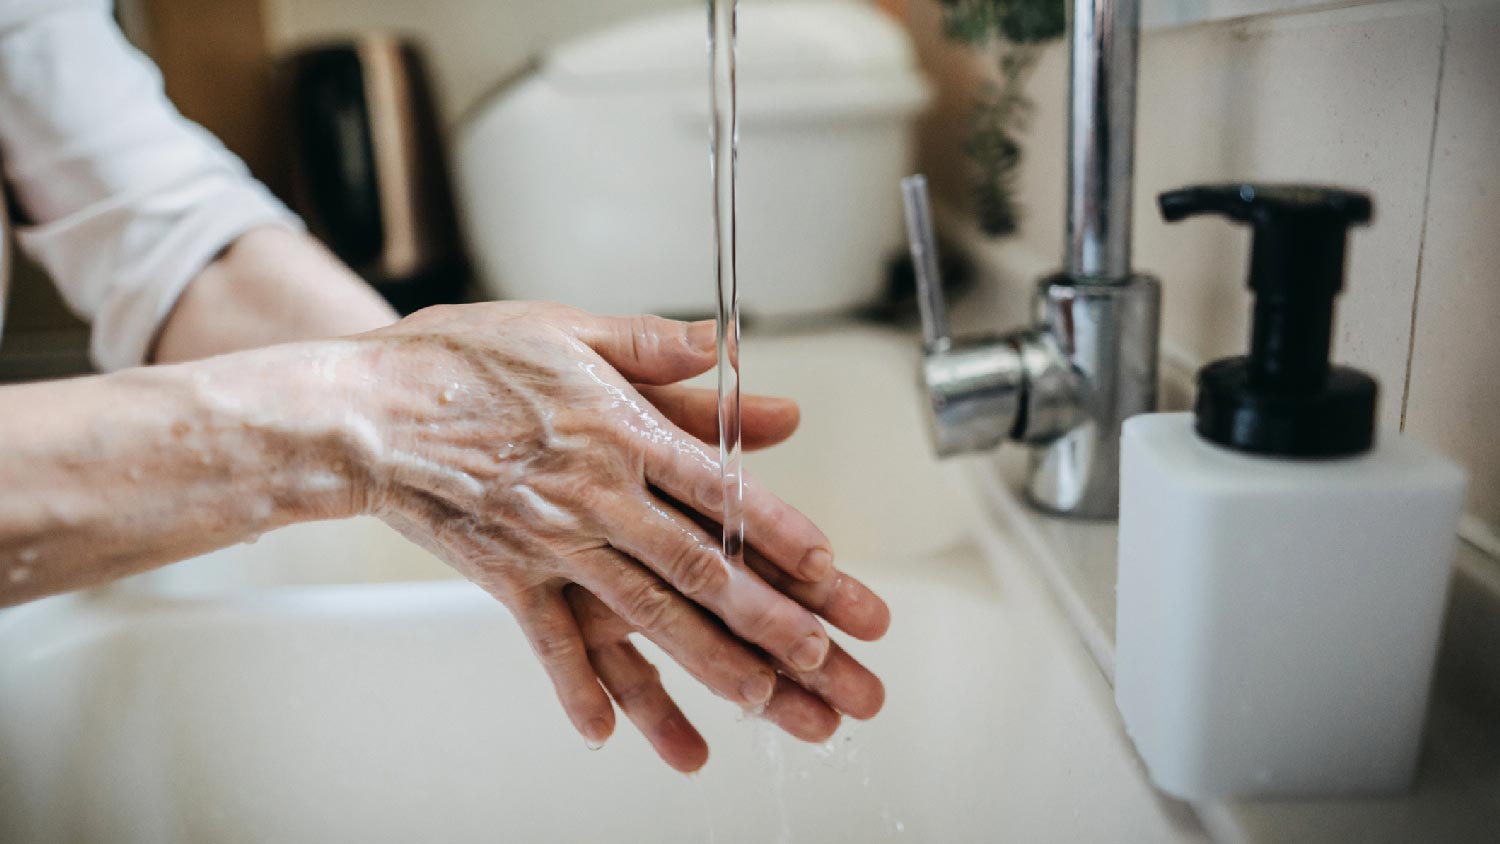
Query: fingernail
<point>757,689</point>
<point>596,733</point>
<point>816,564</point>
<point>808,654</point>
<point>701,335</point>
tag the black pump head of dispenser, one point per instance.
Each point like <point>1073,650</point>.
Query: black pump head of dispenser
<point>1285,398</point>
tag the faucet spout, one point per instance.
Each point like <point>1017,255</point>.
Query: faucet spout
<point>1066,383</point>
<point>1103,36</point>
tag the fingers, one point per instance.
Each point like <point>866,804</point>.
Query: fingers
<point>844,684</point>
<point>679,627</point>
<point>688,558</point>
<point>649,349</point>
<point>840,599</point>
<point>688,473</point>
<point>800,713</point>
<point>764,421</point>
<point>635,685</point>
<point>842,681</point>
<point>549,625</point>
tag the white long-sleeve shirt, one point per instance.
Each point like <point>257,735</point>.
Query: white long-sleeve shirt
<point>120,198</point>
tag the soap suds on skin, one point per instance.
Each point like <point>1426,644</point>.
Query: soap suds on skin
<point>544,509</point>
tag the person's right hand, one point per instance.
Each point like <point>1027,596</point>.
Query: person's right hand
<point>511,440</point>
<point>844,602</point>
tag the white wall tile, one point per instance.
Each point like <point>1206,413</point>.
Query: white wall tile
<point>1342,96</point>
<point>1454,402</point>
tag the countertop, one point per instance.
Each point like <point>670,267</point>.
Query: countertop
<point>1458,781</point>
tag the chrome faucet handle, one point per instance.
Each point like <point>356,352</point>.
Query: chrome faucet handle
<point>974,386</point>
<point>936,335</point>
<point>1061,386</point>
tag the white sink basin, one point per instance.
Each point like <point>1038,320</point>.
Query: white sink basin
<point>189,708</point>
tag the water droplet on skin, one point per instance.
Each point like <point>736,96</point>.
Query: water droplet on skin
<point>449,394</point>
<point>20,574</point>
<point>28,555</point>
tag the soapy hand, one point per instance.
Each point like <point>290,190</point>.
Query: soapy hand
<point>548,455</point>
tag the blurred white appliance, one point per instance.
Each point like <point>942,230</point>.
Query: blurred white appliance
<point>587,180</point>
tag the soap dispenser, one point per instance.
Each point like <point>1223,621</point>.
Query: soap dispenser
<point>1282,570</point>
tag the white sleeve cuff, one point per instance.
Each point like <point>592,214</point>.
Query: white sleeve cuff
<point>130,259</point>
<point>128,201</point>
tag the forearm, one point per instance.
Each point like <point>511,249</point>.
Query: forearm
<point>112,475</point>
<point>272,285</point>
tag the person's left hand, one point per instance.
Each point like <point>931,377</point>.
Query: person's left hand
<point>798,703</point>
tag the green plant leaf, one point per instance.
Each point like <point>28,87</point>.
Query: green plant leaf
<point>1001,114</point>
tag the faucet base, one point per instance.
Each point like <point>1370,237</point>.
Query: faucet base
<point>1104,337</point>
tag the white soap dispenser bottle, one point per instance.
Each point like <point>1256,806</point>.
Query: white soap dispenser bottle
<point>1282,573</point>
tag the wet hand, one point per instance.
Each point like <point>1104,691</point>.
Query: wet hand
<point>807,705</point>
<point>538,448</point>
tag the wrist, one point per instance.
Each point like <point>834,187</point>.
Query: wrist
<point>293,417</point>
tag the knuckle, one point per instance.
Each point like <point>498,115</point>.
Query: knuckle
<point>651,328</point>
<point>650,605</point>
<point>764,620</point>
<point>698,572</point>
<point>554,312</point>
<point>708,489</point>
<point>640,344</point>
<point>638,688</point>
<point>555,647</point>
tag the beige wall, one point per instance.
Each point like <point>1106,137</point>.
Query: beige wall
<point>1398,98</point>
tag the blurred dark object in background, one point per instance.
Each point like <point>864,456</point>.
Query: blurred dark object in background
<point>898,304</point>
<point>369,172</point>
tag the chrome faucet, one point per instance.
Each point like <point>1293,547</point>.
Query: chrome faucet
<point>1063,385</point>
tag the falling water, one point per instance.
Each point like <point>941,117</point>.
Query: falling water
<point>724,136</point>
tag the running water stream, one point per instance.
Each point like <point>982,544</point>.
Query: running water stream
<point>724,138</point>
